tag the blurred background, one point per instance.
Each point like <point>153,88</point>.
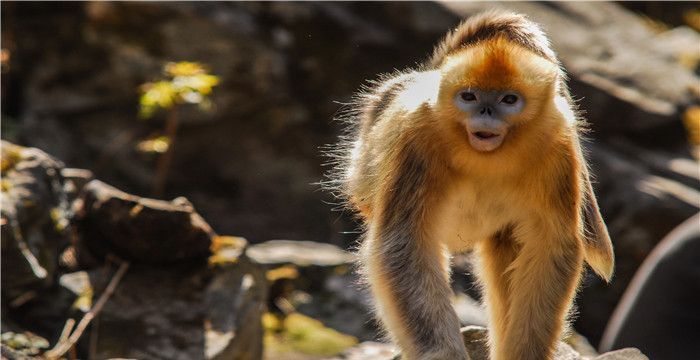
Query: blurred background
<point>230,105</point>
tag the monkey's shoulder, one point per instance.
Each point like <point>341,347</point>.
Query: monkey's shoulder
<point>400,93</point>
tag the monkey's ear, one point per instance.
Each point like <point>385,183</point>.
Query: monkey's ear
<point>597,243</point>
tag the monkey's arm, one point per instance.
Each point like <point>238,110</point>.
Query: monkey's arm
<point>408,270</point>
<point>545,270</point>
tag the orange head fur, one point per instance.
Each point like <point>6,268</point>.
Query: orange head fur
<point>499,65</point>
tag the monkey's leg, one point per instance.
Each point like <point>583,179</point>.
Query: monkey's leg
<point>409,279</point>
<point>544,277</point>
<point>495,256</point>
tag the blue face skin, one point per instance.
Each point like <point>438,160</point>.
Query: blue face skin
<point>486,112</point>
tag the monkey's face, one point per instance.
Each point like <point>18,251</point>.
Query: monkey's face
<point>493,89</point>
<point>486,113</point>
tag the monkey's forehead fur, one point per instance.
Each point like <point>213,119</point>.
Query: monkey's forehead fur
<point>515,28</point>
<point>504,50</point>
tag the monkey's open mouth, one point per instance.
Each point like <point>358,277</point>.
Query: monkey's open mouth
<point>485,141</point>
<point>485,134</point>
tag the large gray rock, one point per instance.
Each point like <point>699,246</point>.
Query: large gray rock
<point>644,195</point>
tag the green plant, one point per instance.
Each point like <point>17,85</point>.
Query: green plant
<point>183,83</point>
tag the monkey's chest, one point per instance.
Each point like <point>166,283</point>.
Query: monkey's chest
<point>471,215</point>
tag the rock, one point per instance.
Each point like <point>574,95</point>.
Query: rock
<point>183,313</point>
<point>368,350</point>
<point>235,301</point>
<point>139,229</point>
<point>475,340</point>
<point>469,311</point>
<point>317,280</point>
<point>623,354</point>
<point>35,222</point>
<point>342,304</point>
<point>300,253</point>
<point>171,303</point>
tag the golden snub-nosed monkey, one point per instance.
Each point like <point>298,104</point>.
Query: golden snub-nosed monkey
<point>478,149</point>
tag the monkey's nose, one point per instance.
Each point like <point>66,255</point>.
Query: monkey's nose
<point>486,110</point>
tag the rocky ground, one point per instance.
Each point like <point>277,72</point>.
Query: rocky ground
<point>161,282</point>
<point>70,87</point>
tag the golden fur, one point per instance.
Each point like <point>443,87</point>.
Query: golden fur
<point>527,208</point>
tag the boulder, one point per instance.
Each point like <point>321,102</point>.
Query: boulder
<point>138,229</point>
<point>173,303</point>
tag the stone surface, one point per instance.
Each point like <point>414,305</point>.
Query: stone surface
<point>320,283</point>
<point>660,190</point>
<point>623,354</point>
<point>137,229</point>
<point>184,313</point>
<point>369,350</point>
<point>300,253</point>
<point>475,338</point>
<point>469,311</point>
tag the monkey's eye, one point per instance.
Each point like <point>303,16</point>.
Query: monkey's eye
<point>509,99</point>
<point>467,96</point>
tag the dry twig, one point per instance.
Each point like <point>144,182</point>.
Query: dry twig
<point>67,328</point>
<point>66,344</point>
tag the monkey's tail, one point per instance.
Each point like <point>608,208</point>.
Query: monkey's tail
<point>597,244</point>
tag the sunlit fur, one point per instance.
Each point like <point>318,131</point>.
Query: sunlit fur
<point>526,209</point>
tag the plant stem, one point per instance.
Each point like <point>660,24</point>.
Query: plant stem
<point>171,125</point>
